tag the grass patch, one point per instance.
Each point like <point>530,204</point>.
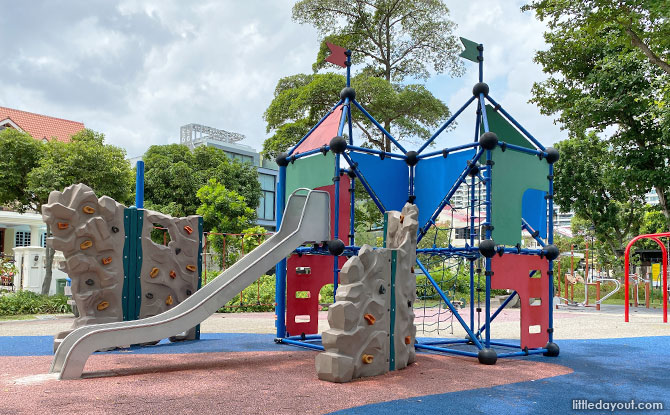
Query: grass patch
<point>18,317</point>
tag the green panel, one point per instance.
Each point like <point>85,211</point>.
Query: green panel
<point>504,130</point>
<point>470,53</point>
<point>126,263</point>
<point>138,265</point>
<point>131,233</point>
<point>513,174</point>
<point>310,172</point>
<point>394,261</point>
<point>200,242</point>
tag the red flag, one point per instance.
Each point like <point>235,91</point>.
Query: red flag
<point>337,55</point>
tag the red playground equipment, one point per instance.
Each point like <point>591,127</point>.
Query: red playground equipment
<point>654,237</point>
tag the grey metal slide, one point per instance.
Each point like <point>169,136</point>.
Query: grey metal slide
<point>306,219</point>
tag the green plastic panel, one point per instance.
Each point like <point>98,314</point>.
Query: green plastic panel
<point>310,172</point>
<point>504,130</point>
<point>513,174</point>
<point>470,52</point>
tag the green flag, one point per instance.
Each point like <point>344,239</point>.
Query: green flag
<point>470,52</point>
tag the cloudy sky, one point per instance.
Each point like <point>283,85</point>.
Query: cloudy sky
<point>138,70</point>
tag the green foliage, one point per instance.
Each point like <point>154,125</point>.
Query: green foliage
<point>603,79</point>
<point>173,175</point>
<point>589,181</point>
<point>20,154</point>
<point>223,210</point>
<point>394,39</point>
<point>27,302</point>
<point>259,296</point>
<point>7,268</point>
<point>85,159</point>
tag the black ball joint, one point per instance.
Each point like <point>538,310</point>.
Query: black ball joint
<point>474,170</point>
<point>412,158</point>
<point>348,92</point>
<point>480,88</point>
<point>552,155</point>
<point>282,160</point>
<point>487,248</point>
<point>335,247</point>
<point>552,350</point>
<point>487,356</point>
<point>488,141</point>
<point>551,252</point>
<point>338,144</point>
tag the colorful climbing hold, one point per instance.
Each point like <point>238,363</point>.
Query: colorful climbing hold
<point>173,274</point>
<point>63,225</point>
<point>168,300</point>
<point>103,305</point>
<point>85,245</point>
<point>115,229</point>
<point>188,229</point>
<point>107,261</point>
<point>149,296</point>
<point>408,340</point>
<point>367,359</point>
<point>191,268</point>
<point>370,319</point>
<point>154,272</point>
<point>402,218</point>
<point>90,282</point>
<point>88,209</point>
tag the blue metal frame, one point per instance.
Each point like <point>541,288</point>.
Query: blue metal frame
<point>470,251</point>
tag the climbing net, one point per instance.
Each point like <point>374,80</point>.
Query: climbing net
<point>450,270</point>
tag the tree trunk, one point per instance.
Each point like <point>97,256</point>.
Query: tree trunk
<point>663,202</point>
<point>46,284</point>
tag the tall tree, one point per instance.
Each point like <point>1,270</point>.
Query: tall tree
<point>395,41</point>
<point>85,159</point>
<point>174,174</point>
<point>597,82</point>
<point>20,154</point>
<point>589,182</point>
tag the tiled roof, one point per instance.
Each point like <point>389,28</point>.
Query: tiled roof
<point>42,126</point>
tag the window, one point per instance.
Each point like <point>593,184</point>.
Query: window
<point>266,207</point>
<point>22,239</point>
<point>240,157</point>
<point>463,233</point>
<point>43,240</point>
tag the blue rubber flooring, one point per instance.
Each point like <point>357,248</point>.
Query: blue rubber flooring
<point>614,370</point>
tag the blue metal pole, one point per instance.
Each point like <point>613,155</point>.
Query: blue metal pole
<point>524,149</point>
<point>448,150</point>
<point>377,152</point>
<point>336,214</point>
<point>449,304</point>
<point>280,269</point>
<point>443,350</point>
<point>513,121</point>
<point>139,185</point>
<point>365,184</point>
<point>352,186</point>
<point>480,47</point>
<point>472,219</point>
<point>303,344</point>
<point>530,229</point>
<point>485,119</point>
<point>386,133</point>
<point>488,236</point>
<point>446,124</point>
<point>493,317</point>
<point>550,239</point>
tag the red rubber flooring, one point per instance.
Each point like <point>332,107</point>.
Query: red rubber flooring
<point>239,382</point>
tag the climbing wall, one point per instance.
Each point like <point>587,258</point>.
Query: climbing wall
<point>90,233</point>
<point>169,274</point>
<point>372,322</point>
<point>117,272</point>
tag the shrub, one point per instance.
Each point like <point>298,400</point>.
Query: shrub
<point>28,302</point>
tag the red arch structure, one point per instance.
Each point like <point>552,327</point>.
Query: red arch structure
<point>654,237</point>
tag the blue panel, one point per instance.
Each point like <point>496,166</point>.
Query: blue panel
<point>534,210</point>
<point>388,178</point>
<point>433,179</point>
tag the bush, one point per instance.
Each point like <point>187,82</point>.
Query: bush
<point>28,302</point>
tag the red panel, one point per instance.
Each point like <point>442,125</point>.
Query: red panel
<point>344,208</point>
<point>512,272</point>
<point>323,133</point>
<point>321,274</point>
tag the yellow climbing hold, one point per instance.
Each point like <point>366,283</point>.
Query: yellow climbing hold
<point>63,225</point>
<point>191,268</point>
<point>107,261</point>
<point>168,300</point>
<point>367,358</point>
<point>188,229</point>
<point>154,272</point>
<point>370,319</point>
<point>103,305</point>
<point>88,209</point>
<point>402,218</point>
<point>173,274</point>
<point>86,245</point>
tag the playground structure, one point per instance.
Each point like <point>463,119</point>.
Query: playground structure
<point>664,285</point>
<point>509,179</point>
<point>117,272</point>
<point>590,278</point>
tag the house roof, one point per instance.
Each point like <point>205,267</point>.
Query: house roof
<point>41,126</point>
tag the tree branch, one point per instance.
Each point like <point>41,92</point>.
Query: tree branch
<point>639,43</point>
